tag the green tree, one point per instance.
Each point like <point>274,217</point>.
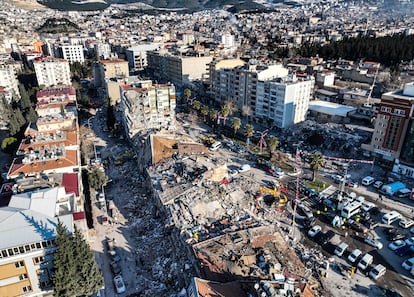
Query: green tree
<point>235,125</point>
<point>97,178</point>
<point>64,278</point>
<point>31,115</point>
<point>25,102</point>
<point>272,143</point>
<point>204,111</point>
<point>316,163</point>
<point>248,131</point>
<point>187,94</point>
<point>8,144</point>
<point>196,105</point>
<point>89,278</point>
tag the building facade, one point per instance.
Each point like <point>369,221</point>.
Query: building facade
<point>72,53</point>
<point>147,108</point>
<point>137,55</point>
<point>107,69</point>
<point>52,71</point>
<point>8,80</point>
<point>393,137</point>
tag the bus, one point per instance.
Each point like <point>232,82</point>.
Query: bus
<point>351,209</point>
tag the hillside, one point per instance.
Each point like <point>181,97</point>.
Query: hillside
<point>57,26</point>
<point>191,5</point>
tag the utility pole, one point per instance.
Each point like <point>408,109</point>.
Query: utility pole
<point>298,164</point>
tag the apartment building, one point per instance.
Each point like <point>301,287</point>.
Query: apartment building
<point>107,69</point>
<point>8,80</point>
<point>284,101</point>
<point>147,108</point>
<point>137,55</point>
<point>71,53</point>
<point>51,144</point>
<point>52,71</point>
<point>217,64</point>
<point>393,137</point>
<point>102,51</point>
<point>179,70</point>
<point>28,231</point>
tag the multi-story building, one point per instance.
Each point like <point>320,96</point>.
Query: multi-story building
<point>28,232</point>
<point>107,69</point>
<point>285,101</point>
<point>147,108</point>
<point>137,55</point>
<point>102,51</point>
<point>179,70</point>
<point>216,65</point>
<point>268,91</point>
<point>8,80</point>
<point>72,53</point>
<point>51,144</point>
<point>52,71</point>
<point>393,137</point>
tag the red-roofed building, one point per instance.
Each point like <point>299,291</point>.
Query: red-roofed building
<point>71,183</point>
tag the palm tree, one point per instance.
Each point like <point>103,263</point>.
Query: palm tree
<point>225,111</point>
<point>231,106</point>
<point>187,94</point>
<point>196,105</point>
<point>316,163</point>
<point>213,116</point>
<point>204,111</point>
<point>248,131</point>
<point>272,143</point>
<point>235,124</point>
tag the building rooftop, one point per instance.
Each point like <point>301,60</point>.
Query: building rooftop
<point>331,108</point>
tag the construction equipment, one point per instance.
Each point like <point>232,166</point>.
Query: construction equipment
<point>276,194</point>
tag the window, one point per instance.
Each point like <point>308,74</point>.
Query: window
<point>19,264</point>
<point>38,260</point>
<point>26,289</point>
<point>23,276</point>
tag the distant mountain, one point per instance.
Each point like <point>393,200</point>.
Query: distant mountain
<point>234,5</point>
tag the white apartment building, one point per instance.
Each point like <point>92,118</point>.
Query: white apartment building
<point>147,107</point>
<point>285,101</point>
<point>137,55</point>
<point>52,71</point>
<point>269,91</point>
<point>228,40</point>
<point>72,53</point>
<point>8,80</point>
<point>102,51</point>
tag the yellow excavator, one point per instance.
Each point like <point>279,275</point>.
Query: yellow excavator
<point>275,193</point>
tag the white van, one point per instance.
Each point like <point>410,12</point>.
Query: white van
<point>367,206</point>
<point>368,180</point>
<point>365,261</point>
<point>340,249</point>
<point>391,217</point>
<point>377,271</point>
<point>215,146</point>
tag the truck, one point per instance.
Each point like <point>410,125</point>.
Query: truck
<point>390,189</point>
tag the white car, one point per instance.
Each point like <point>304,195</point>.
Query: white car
<point>406,223</point>
<point>373,242</point>
<point>314,230</point>
<point>244,168</point>
<point>378,184</point>
<point>119,284</point>
<point>233,173</point>
<point>353,257</point>
<point>396,244</point>
<point>409,241</point>
<point>408,264</point>
<point>377,271</point>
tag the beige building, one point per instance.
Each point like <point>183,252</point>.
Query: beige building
<point>107,69</point>
<point>216,65</point>
<point>179,70</point>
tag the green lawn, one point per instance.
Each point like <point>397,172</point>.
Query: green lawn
<point>316,185</point>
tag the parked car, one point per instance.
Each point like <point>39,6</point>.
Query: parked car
<point>305,211</point>
<point>403,251</point>
<point>119,284</point>
<point>396,244</point>
<point>116,269</point>
<point>354,255</point>
<point>378,184</point>
<point>410,241</point>
<point>378,271</point>
<point>373,242</point>
<point>244,168</point>
<point>393,234</point>
<point>324,238</point>
<point>357,226</point>
<point>406,223</point>
<point>340,249</point>
<point>408,264</point>
<point>365,261</point>
<point>314,231</point>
